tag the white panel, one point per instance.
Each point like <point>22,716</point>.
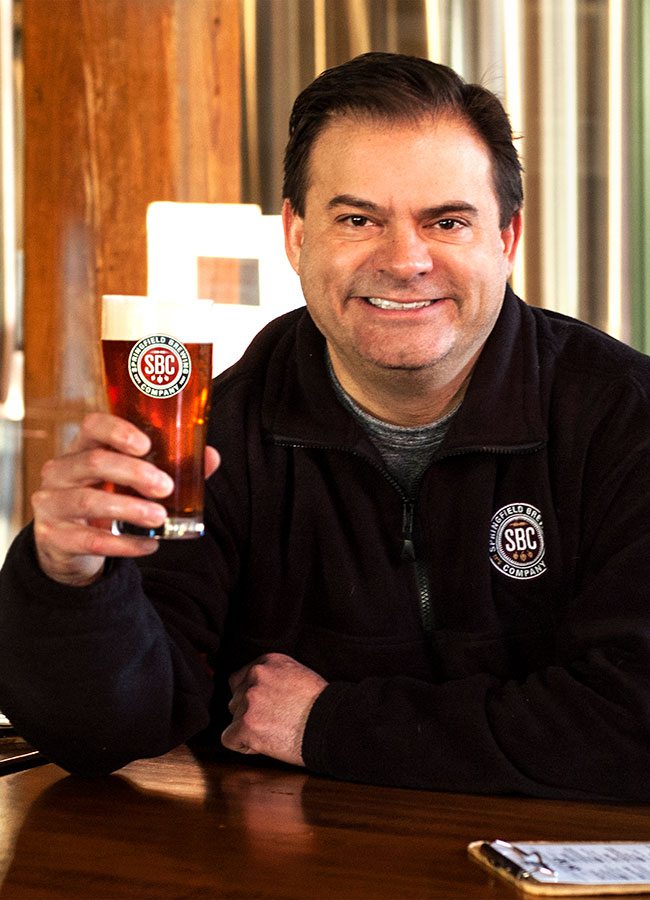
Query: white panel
<point>178,233</point>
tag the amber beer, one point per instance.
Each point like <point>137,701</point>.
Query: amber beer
<point>157,370</point>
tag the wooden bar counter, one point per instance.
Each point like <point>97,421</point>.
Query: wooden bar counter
<point>185,827</point>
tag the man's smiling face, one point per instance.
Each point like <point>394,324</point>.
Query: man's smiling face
<point>400,253</point>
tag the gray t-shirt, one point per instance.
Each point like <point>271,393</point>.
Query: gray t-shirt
<point>406,450</point>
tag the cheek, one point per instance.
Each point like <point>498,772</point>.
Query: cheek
<point>312,270</point>
<point>327,267</point>
<point>481,271</point>
<point>318,287</point>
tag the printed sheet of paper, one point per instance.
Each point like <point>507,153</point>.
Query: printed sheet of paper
<point>586,863</point>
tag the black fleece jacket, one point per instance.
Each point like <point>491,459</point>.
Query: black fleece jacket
<point>490,634</point>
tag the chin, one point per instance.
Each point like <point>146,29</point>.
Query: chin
<point>408,367</point>
<point>416,357</point>
<point>409,362</point>
<point>396,364</point>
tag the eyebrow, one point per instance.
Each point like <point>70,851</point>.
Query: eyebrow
<point>351,200</point>
<point>429,212</point>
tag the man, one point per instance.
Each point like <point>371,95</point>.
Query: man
<point>427,559</point>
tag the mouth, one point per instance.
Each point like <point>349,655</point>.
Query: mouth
<point>383,303</point>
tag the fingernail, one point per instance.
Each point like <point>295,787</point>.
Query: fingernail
<point>138,443</point>
<point>155,515</point>
<point>164,482</point>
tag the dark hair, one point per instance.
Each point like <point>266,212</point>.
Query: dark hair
<point>395,87</point>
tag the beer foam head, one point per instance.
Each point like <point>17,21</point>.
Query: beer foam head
<point>129,318</point>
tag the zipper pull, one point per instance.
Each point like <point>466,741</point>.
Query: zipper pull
<point>408,547</point>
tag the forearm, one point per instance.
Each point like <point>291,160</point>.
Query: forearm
<point>550,736</point>
<point>89,675</point>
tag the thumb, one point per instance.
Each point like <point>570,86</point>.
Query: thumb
<point>212,461</point>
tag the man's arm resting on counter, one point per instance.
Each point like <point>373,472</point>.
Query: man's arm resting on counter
<point>556,735</point>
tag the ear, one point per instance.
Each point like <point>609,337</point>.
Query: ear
<point>294,227</point>
<point>510,236</point>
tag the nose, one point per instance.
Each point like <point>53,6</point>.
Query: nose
<point>404,253</point>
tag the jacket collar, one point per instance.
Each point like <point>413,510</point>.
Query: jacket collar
<point>503,406</point>
<point>502,409</point>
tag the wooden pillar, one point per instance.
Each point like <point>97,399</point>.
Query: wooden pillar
<point>126,102</point>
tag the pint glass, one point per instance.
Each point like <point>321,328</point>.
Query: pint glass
<point>157,368</point>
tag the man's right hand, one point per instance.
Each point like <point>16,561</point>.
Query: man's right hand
<point>73,512</point>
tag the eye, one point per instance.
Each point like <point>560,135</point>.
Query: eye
<point>449,224</point>
<point>357,221</point>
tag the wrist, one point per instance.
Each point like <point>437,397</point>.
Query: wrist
<point>68,574</point>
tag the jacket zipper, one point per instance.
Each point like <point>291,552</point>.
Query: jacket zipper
<point>424,587</point>
<point>408,552</point>
<point>408,512</point>
<point>408,516</point>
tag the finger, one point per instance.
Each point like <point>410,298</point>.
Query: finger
<point>238,704</point>
<point>74,552</point>
<point>94,504</point>
<point>74,539</point>
<point>101,428</point>
<point>89,549</point>
<point>239,678</point>
<point>98,465</point>
<point>234,738</point>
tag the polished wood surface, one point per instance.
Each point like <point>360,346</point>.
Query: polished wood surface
<point>181,827</point>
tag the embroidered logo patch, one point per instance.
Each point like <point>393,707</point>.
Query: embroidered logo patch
<point>517,541</point>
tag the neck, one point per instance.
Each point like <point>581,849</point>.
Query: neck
<point>400,397</point>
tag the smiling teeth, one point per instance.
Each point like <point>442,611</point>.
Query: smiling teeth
<point>391,304</point>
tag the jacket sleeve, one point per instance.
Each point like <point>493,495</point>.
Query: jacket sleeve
<point>577,728</point>
<point>97,676</point>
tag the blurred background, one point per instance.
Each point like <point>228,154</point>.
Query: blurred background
<point>109,106</point>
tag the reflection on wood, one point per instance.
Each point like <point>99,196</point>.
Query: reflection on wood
<point>181,826</point>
